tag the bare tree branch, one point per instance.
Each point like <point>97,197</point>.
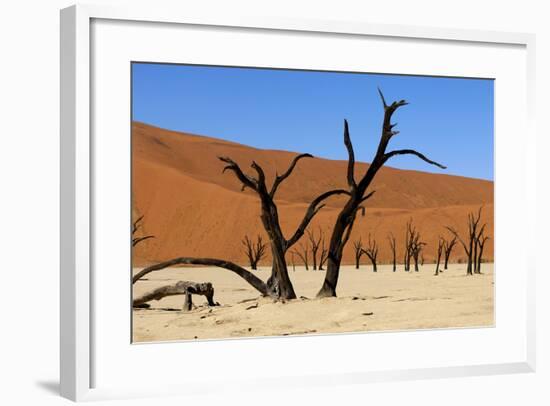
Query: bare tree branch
<point>351,157</point>
<point>246,180</point>
<point>280,178</point>
<point>137,240</point>
<point>136,224</point>
<point>312,210</point>
<point>252,279</point>
<point>391,154</point>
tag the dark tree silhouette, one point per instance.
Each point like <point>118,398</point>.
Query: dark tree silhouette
<point>407,251</point>
<point>254,251</point>
<point>315,243</point>
<point>358,248</point>
<point>416,249</point>
<point>391,239</point>
<point>303,255</point>
<point>413,247</point>
<point>470,247</point>
<point>357,191</point>
<point>279,283</point>
<point>440,251</point>
<point>324,255</point>
<point>371,251</point>
<point>135,227</point>
<point>480,241</point>
<point>448,246</point>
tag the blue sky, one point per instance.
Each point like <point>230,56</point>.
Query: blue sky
<point>448,119</point>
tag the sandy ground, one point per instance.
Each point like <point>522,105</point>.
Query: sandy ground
<point>367,301</point>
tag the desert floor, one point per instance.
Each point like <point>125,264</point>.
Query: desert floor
<point>367,301</point>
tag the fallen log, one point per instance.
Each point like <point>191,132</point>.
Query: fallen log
<point>180,288</point>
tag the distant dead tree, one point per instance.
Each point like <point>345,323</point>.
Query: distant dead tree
<point>315,243</point>
<point>416,249</point>
<point>448,246</point>
<point>371,251</point>
<point>135,227</point>
<point>471,246</point>
<point>303,255</point>
<point>480,242</point>
<point>255,251</point>
<point>357,191</point>
<point>278,285</point>
<point>358,248</point>
<point>440,251</point>
<point>324,255</point>
<point>391,239</point>
<point>413,247</point>
<point>407,250</point>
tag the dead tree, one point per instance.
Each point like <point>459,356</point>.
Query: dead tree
<point>304,255</point>
<point>357,191</point>
<point>324,255</point>
<point>416,249</point>
<point>254,251</point>
<point>371,251</point>
<point>448,246</point>
<point>315,243</point>
<point>391,239</point>
<point>413,246</point>
<point>407,251</point>
<point>279,282</point>
<point>135,227</point>
<point>358,248</point>
<point>470,246</point>
<point>440,251</point>
<point>181,288</point>
<point>480,242</point>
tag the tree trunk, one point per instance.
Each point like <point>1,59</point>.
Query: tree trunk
<point>479,258</point>
<point>336,248</point>
<point>475,257</point>
<point>180,288</point>
<point>374,267</point>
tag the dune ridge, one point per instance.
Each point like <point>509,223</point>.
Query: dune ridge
<point>195,210</point>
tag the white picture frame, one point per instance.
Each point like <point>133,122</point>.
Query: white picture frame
<point>78,351</point>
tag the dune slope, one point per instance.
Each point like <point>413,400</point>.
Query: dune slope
<point>195,210</point>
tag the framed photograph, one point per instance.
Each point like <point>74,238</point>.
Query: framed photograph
<point>243,195</point>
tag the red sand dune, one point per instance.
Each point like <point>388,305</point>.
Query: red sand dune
<point>195,210</point>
